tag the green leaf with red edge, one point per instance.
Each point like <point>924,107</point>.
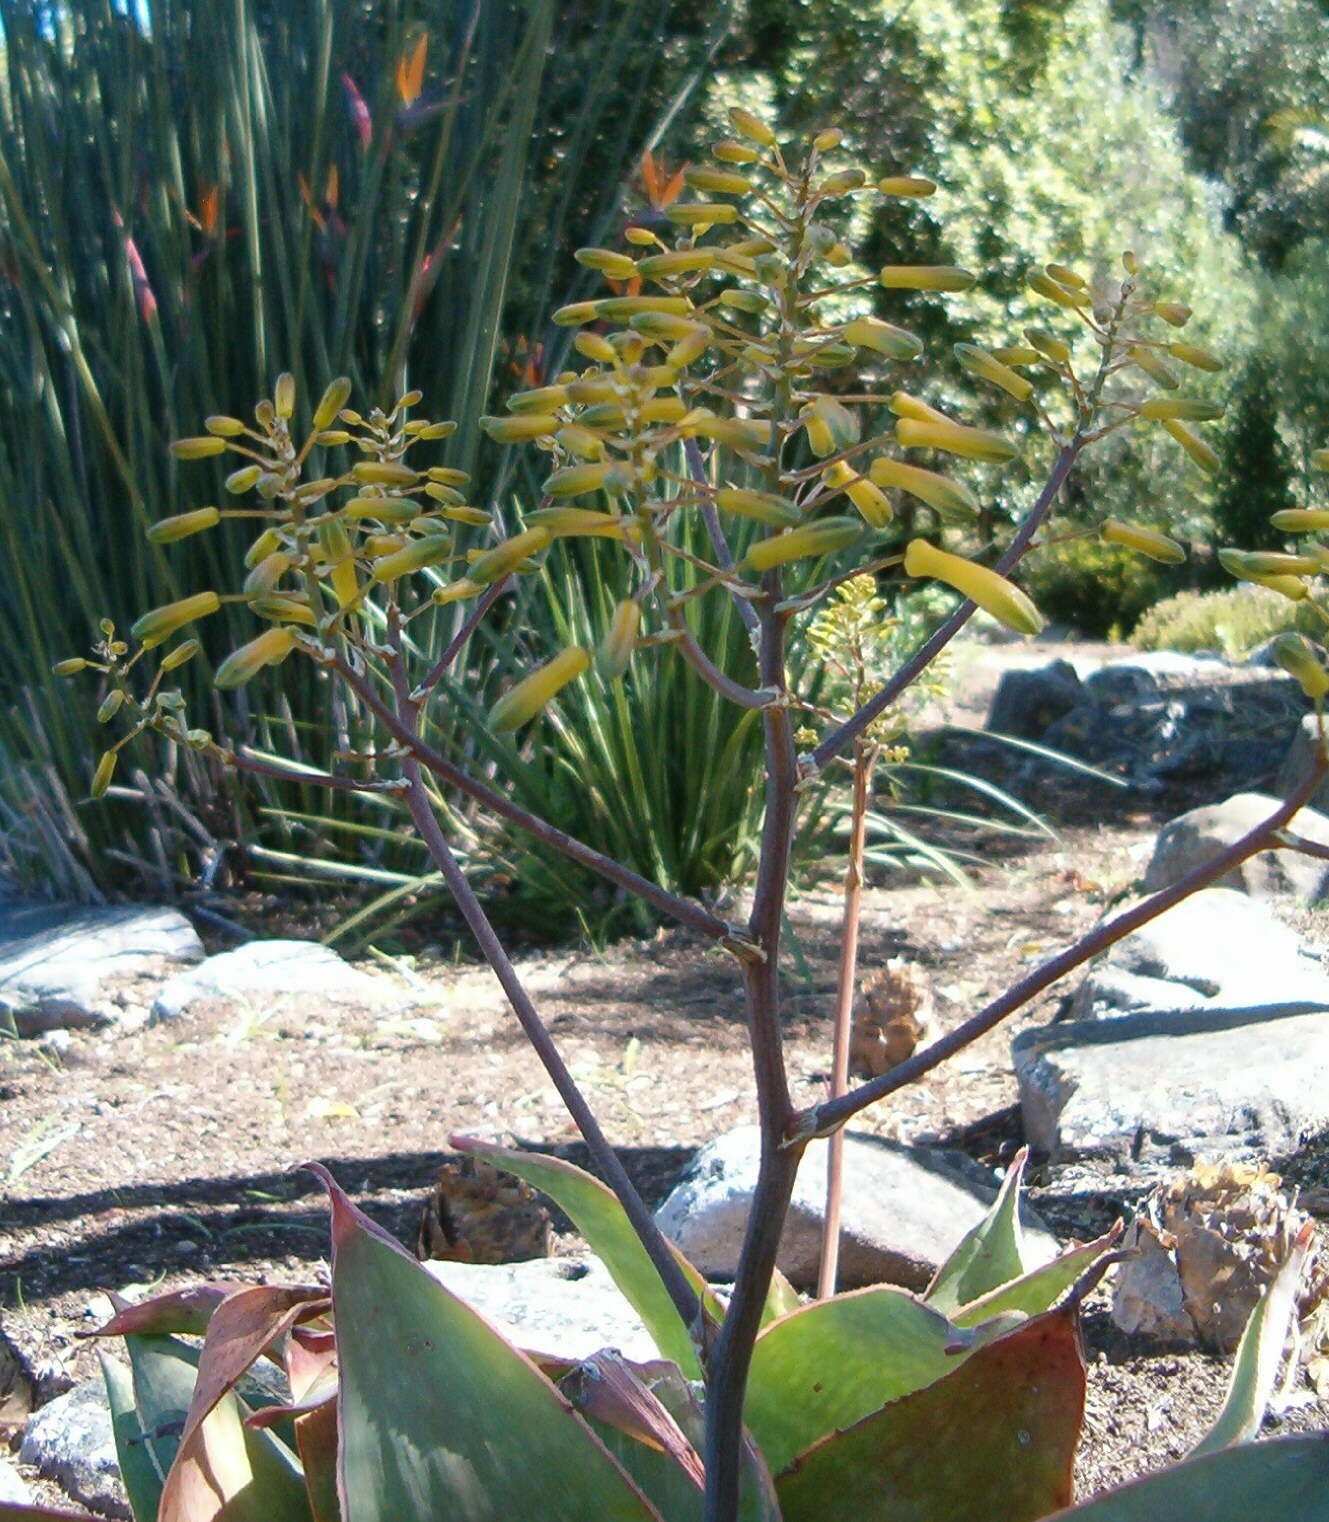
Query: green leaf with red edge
<point>1285,1479</point>
<point>438,1415</point>
<point>597,1214</point>
<point>833,1362</point>
<point>1038,1290</point>
<point>989,1255</point>
<point>183,1312</point>
<point>993,1441</point>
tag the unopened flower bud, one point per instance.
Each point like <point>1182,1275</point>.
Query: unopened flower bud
<point>746,124</point>
<point>70,667</point>
<point>925,277</point>
<point>1180,409</point>
<point>198,448</point>
<point>957,439</point>
<point>493,565</point>
<point>156,627</point>
<point>283,396</point>
<point>987,367</point>
<point>953,501</point>
<point>224,427</point>
<point>1143,541</point>
<point>1203,455</point>
<point>913,186</point>
<point>524,701</point>
<point>1295,654</point>
<point>614,652</point>
<point>182,653</point>
<point>615,265</point>
<point>332,402</point>
<point>825,537</point>
<point>101,778</point>
<point>1174,313</point>
<point>992,592</point>
<point>268,649</point>
<point>698,214</point>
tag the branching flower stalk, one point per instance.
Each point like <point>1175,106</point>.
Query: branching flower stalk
<point>744,369</point>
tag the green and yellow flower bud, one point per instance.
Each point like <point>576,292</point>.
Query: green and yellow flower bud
<point>698,214</point>
<point>197,449</point>
<point>449,496</point>
<point>315,491</point>
<point>385,473</point>
<point>292,608</point>
<point>1278,563</point>
<point>504,558</point>
<point>415,556</point>
<point>1016,354</point>
<point>168,530</point>
<point>541,399</point>
<point>925,277</point>
<point>1180,409</point>
<point>595,347</point>
<point>1237,563</point>
<point>737,433</point>
<point>681,261</point>
<point>1300,520</point>
<point>663,327</point>
<point>1143,541</point>
<point>957,439</point>
<point>576,480</point>
<point>518,429</point>
<point>866,496</point>
<point>830,426</point>
<point>580,442</point>
<point>531,695</point>
<point>101,778</point>
<point>266,543</point>
<point>989,368</point>
<point>902,404</point>
<point>615,265</point>
<point>72,666</point>
<point>762,506</point>
<point>475,516</point>
<point>331,403</point>
<point>690,347</point>
<point>182,653</point>
<point>266,574</point>
<point>110,705</point>
<point>574,315</point>
<point>156,627</point>
<point>443,430</point>
<point>1174,313</point>
<point>593,388</point>
<point>663,409</point>
<point>376,546</point>
<point>913,186</point>
<point>224,427</point>
<point>1043,284</point>
<point>1197,358</point>
<point>604,415</point>
<point>825,537</point>
<point>384,509</point>
<point>614,652</point>
<point>827,138</point>
<point>283,396</point>
<point>641,236</point>
<point>265,415</point>
<point>1157,369</point>
<point>716,181</point>
<point>269,649</point>
<point>457,591</point>
<point>951,500</point>
<point>1066,276</point>
<point>621,308</point>
<point>990,591</point>
<point>243,480</point>
<point>746,124</point>
<point>882,338</point>
<point>338,554</point>
<point>1295,654</point>
<point>579,523</point>
<point>1049,345</point>
<point>730,152</point>
<point>843,183</point>
<point>1199,451</point>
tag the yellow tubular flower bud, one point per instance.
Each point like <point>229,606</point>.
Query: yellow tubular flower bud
<point>1155,368</point>
<point>385,509</point>
<point>925,277</point>
<point>951,500</point>
<point>180,655</point>
<point>1044,285</point>
<point>663,409</point>
<point>283,396</point>
<point>457,591</point>
<point>987,367</point>
<point>1180,409</point>
<point>1143,541</point>
<point>912,185</point>
<point>730,152</point>
<point>902,404</point>
<point>682,261</point>
<point>1049,345</point>
<point>643,237</point>
<point>475,516</point>
<point>197,449</point>
<point>70,667</point>
<point>332,402</point>
<point>604,415</point>
<point>621,308</point>
<point>1016,354</point>
<point>882,338</point>
<point>593,346</point>
<point>580,441</point>
<point>814,539</point>
<point>690,347</point>
<point>1174,313</point>
<point>866,496</point>
<point>762,506</point>
<point>243,480</point>
<point>266,543</point>
<point>415,556</point>
<point>827,138</point>
<point>266,574</point>
<point>541,399</point>
<point>156,627</point>
<point>449,496</point>
<point>516,430</point>
<point>830,426</point>
<point>1276,563</point>
<point>662,326</point>
<point>957,439</point>
<point>224,427</point>
<point>524,701</point>
<point>716,181</point>
<point>1295,654</point>
<point>269,649</point>
<point>168,530</point>
<point>576,314</point>
<point>738,433</point>
<point>384,473</point>
<point>614,652</point>
<point>592,388</point>
<point>264,414</point>
<point>993,593</point>
<point>1300,520</point>
<point>110,705</point>
<point>578,523</point>
<point>576,480</point>
<point>1194,446</point>
<point>494,564</point>
<point>284,610</point>
<point>701,213</point>
<point>337,552</point>
<point>841,184</point>
<point>1237,563</point>
<point>1198,359</point>
<point>750,126</point>
<point>1320,459</point>
<point>615,266</point>
<point>101,778</point>
<point>1067,277</point>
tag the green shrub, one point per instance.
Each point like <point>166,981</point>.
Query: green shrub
<point>1231,622</point>
<point>1095,587</point>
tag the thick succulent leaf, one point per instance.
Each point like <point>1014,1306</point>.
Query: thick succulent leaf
<point>833,1362</point>
<point>163,1373</point>
<point>438,1415</point>
<point>598,1216</point>
<point>184,1312</point>
<point>989,1254</point>
<point>142,1482</point>
<point>1259,1354</point>
<point>316,1438</point>
<point>1285,1479</point>
<point>781,1298</point>
<point>1041,1288</point>
<point>992,1442</point>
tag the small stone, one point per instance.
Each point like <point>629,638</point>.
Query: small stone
<point>13,1491</point>
<point>70,1441</point>
<point>264,969</point>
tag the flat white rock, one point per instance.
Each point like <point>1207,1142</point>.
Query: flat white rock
<point>264,969</point>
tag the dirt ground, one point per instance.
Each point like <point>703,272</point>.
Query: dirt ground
<point>165,1155</point>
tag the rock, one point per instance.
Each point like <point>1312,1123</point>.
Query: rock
<point>1195,837</point>
<point>71,1442</point>
<point>55,959</point>
<point>264,969</point>
<point>1231,950</point>
<point>1175,1086</point>
<point>904,1209</point>
<point>1152,671</point>
<point>13,1492</point>
<point>1027,702</point>
<point>564,1306</point>
<point>1146,1290</point>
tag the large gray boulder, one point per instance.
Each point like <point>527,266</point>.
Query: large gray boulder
<point>1196,837</point>
<point>71,1441</point>
<point>56,959</point>
<point>1027,702</point>
<point>569,1307</point>
<point>903,1210</point>
<point>264,970</point>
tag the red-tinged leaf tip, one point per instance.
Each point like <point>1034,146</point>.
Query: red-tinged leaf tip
<point>272,1416</point>
<point>186,1311</point>
<point>347,1217</point>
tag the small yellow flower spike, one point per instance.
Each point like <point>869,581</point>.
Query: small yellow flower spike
<point>1295,654</point>
<point>522,702</point>
<point>957,439</point>
<point>614,653</point>
<point>993,593</point>
<point>269,649</point>
<point>1143,541</point>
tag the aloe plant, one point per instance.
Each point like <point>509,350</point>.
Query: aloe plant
<point>739,376</point>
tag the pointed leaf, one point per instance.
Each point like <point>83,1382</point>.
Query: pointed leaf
<point>597,1214</point>
<point>186,1312</point>
<point>992,1442</point>
<point>316,1437</point>
<point>781,1298</point>
<point>1285,1479</point>
<point>1259,1354</point>
<point>989,1254</point>
<point>438,1415</point>
<point>831,1363</point>
<point>138,1472</point>
<point>1038,1290</point>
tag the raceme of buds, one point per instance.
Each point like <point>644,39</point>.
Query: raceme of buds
<point>993,593</point>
